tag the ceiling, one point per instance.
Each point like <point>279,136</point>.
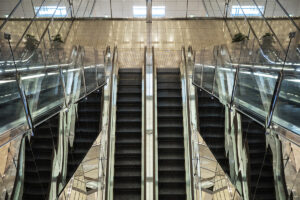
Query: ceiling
<point>137,8</point>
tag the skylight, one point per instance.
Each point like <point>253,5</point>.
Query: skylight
<point>248,10</point>
<point>141,11</point>
<point>48,11</point>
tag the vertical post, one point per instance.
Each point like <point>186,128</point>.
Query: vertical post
<point>111,15</point>
<point>265,7</point>
<point>278,85</point>
<point>187,8</point>
<point>149,153</point>
<point>226,9</point>
<point>71,7</point>
<point>149,11</point>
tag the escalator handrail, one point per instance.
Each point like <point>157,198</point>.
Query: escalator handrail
<point>114,69</point>
<point>185,75</point>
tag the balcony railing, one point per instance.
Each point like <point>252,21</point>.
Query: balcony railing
<point>39,84</point>
<point>267,91</point>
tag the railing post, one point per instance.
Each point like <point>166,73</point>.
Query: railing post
<point>234,87</point>
<point>278,86</point>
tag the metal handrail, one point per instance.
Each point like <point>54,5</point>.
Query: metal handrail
<point>185,75</point>
<point>114,70</point>
<point>154,121</point>
<point>144,118</point>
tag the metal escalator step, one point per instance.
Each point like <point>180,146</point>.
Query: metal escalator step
<point>127,184</point>
<point>212,126</point>
<point>128,152</point>
<point>38,160</point>
<point>87,129</point>
<point>172,189</point>
<point>171,160</point>
<point>129,82</point>
<point>171,164</point>
<point>128,170</point>
<point>129,97</point>
<point>133,89</point>
<point>125,195</point>
<point>169,86</point>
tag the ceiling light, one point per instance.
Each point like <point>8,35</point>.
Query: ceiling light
<point>141,11</point>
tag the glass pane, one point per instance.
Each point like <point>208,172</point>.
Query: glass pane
<point>42,85</point>
<point>197,74</point>
<point>287,110</point>
<point>89,65</point>
<point>8,166</point>
<point>100,67</point>
<point>254,90</point>
<point>11,105</point>
<point>7,7</point>
<point>208,70</point>
<point>225,74</point>
<point>71,73</point>
<point>81,82</point>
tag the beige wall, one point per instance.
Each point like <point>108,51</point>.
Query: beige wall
<point>131,34</point>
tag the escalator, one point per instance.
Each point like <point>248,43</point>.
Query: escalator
<point>171,163</point>
<point>38,159</point>
<point>211,121</point>
<point>259,161</point>
<point>128,143</point>
<point>87,129</point>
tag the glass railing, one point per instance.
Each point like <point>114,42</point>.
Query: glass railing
<point>268,91</point>
<point>36,84</point>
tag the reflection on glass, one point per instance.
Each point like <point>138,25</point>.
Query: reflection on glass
<point>49,11</point>
<point>254,90</point>
<point>287,110</point>
<point>9,154</point>
<point>247,10</point>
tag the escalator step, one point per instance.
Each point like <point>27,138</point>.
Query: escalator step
<point>171,161</point>
<point>87,128</point>
<point>212,126</point>
<point>128,146</point>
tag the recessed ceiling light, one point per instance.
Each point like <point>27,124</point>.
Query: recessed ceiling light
<point>141,11</point>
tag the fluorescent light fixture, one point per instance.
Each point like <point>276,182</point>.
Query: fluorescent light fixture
<point>49,11</point>
<point>248,10</point>
<point>158,11</point>
<point>6,16</point>
<point>141,11</point>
